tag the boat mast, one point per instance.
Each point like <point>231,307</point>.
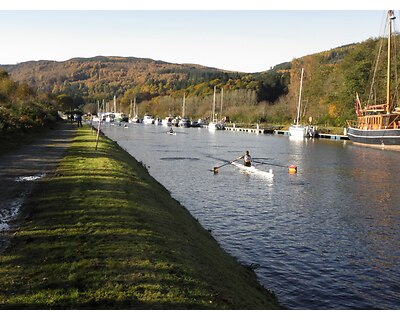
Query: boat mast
<point>298,106</point>
<point>183,105</point>
<point>390,18</point>
<point>222,99</point>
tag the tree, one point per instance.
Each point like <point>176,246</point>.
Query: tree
<point>65,102</point>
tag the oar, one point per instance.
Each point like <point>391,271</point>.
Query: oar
<point>292,168</point>
<point>216,168</point>
<point>271,164</point>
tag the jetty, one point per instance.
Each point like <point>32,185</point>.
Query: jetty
<point>256,130</point>
<point>332,136</point>
<point>318,135</point>
<point>272,130</point>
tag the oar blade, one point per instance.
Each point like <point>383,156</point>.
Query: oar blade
<point>230,162</point>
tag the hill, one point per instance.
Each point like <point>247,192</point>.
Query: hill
<point>331,81</point>
<point>103,77</point>
<point>153,82</point>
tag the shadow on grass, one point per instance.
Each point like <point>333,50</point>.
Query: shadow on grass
<point>102,234</point>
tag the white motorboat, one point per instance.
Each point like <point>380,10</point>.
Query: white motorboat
<point>135,119</point>
<point>158,121</point>
<point>184,122</point>
<point>202,122</point>
<point>167,121</point>
<point>148,119</point>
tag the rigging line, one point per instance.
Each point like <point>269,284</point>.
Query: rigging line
<point>375,70</point>
<point>382,33</point>
<point>395,40</point>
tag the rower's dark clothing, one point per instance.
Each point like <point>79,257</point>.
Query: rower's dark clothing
<point>247,160</point>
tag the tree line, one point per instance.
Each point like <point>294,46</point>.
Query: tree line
<point>331,81</point>
<point>22,109</point>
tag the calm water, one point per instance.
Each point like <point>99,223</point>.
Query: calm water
<point>325,238</point>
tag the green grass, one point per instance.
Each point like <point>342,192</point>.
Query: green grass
<point>102,234</point>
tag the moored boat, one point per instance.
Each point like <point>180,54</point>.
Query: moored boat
<point>184,122</point>
<point>148,119</point>
<point>379,124</point>
<point>158,121</point>
<point>121,117</point>
<point>167,121</point>
<point>135,119</point>
<point>214,124</point>
<point>298,130</point>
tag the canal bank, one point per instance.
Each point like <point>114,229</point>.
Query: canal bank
<point>101,233</point>
<point>305,232</point>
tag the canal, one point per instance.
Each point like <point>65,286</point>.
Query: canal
<point>324,238</point>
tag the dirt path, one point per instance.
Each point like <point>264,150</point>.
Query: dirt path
<point>20,169</point>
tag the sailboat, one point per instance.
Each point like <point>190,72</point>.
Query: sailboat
<point>184,121</point>
<point>135,110</point>
<point>377,124</point>
<point>222,121</point>
<point>214,125</point>
<point>298,130</point>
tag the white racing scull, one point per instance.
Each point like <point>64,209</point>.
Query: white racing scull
<point>254,170</point>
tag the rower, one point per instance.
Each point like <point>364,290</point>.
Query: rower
<point>247,159</point>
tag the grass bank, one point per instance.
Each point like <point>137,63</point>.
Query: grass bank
<point>101,233</point>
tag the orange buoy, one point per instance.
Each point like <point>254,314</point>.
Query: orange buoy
<point>292,169</point>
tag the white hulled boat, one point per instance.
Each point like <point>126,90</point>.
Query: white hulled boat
<point>214,125</point>
<point>148,119</point>
<point>298,130</point>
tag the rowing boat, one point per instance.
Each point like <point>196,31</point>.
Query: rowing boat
<point>254,170</point>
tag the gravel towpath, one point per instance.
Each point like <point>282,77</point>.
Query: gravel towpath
<point>22,168</point>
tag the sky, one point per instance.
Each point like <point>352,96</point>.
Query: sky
<point>251,38</point>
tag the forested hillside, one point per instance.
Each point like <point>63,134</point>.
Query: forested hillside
<point>22,109</point>
<point>331,81</point>
<point>158,86</point>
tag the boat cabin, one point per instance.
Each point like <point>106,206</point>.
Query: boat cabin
<point>376,118</point>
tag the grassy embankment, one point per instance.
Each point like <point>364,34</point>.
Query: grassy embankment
<point>101,233</point>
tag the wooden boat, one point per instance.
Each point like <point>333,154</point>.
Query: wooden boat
<point>378,125</point>
<point>254,170</point>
